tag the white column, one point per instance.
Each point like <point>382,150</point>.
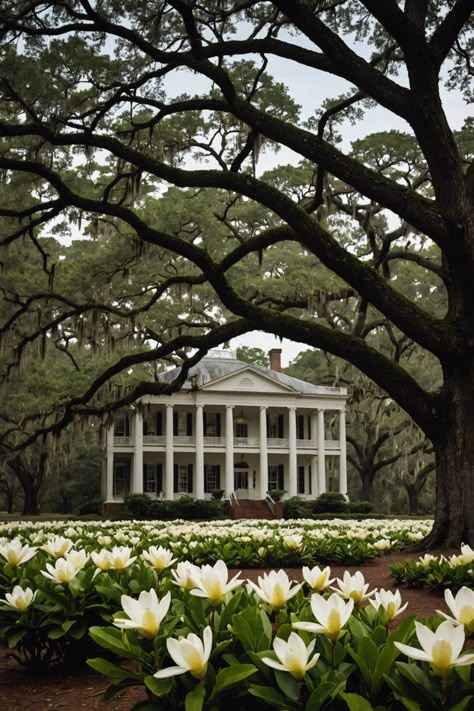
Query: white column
<point>263,488</point>
<point>321,453</point>
<point>342,454</point>
<point>169,454</point>
<point>199,485</point>
<point>229,450</point>
<point>110,464</point>
<point>314,478</point>
<point>137,480</point>
<point>292,452</point>
<point>314,427</point>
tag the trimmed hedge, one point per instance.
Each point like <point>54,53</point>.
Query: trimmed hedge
<point>141,506</point>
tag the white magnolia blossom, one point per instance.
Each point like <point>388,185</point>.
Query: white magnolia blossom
<point>20,598</point>
<point>353,587</point>
<point>121,557</point>
<point>293,655</point>
<point>331,615</point>
<point>442,649</point>
<point>158,558</point>
<point>79,558</point>
<point>294,541</point>
<point>102,559</point>
<point>62,571</point>
<point>58,546</point>
<point>190,654</point>
<point>425,561</point>
<point>462,607</point>
<point>145,614</point>
<point>16,553</point>
<point>184,574</point>
<point>391,602</point>
<point>318,579</point>
<point>212,582</point>
<point>275,588</point>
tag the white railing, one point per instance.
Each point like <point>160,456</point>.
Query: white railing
<point>122,441</point>
<point>154,439</point>
<point>306,444</point>
<point>214,441</point>
<point>246,442</point>
<point>277,442</point>
<point>184,441</point>
<point>332,444</point>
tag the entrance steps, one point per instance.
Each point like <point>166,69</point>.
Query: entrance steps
<point>254,508</point>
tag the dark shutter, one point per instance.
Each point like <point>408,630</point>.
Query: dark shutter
<point>281,430</point>
<point>145,474</point>
<point>189,424</point>
<point>175,479</point>
<point>127,427</point>
<point>218,476</point>
<point>159,423</point>
<point>300,489</point>
<point>190,478</point>
<point>218,425</point>
<point>310,479</point>
<point>311,434</point>
<point>204,423</point>
<point>145,428</point>
<point>175,424</point>
<point>206,479</point>
<point>299,426</point>
<point>159,478</point>
<point>280,476</point>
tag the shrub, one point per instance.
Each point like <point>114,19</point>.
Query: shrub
<point>276,494</point>
<point>137,505</point>
<point>296,507</point>
<point>94,506</point>
<point>331,502</point>
<point>360,506</point>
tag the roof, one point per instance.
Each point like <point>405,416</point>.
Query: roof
<point>213,367</point>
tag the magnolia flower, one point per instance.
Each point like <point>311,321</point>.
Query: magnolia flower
<point>212,582</point>
<point>57,546</point>
<point>294,541</point>
<point>389,601</point>
<point>158,558</point>
<point>441,648</point>
<point>63,571</point>
<point>353,587</point>
<point>462,607</point>
<point>120,557</point>
<point>184,574</point>
<point>15,553</point>
<point>145,614</point>
<point>20,598</point>
<point>275,588</point>
<point>78,558</point>
<point>191,654</point>
<point>316,578</point>
<point>102,560</point>
<point>331,614</point>
<point>426,560</point>
<point>467,553</point>
<point>293,656</point>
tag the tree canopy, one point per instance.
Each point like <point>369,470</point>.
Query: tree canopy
<point>97,139</point>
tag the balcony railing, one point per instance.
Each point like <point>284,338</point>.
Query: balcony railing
<point>246,442</point>
<point>214,441</point>
<point>122,441</point>
<point>239,442</point>
<point>277,443</point>
<point>154,439</point>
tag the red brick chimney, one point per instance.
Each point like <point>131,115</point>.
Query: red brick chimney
<point>275,359</point>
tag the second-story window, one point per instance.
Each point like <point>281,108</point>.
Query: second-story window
<point>241,429</point>
<point>275,426</point>
<point>122,426</point>
<point>183,424</point>
<point>212,424</point>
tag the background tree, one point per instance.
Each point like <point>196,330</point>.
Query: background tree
<point>99,138</point>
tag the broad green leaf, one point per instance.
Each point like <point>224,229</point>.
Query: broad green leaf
<point>464,704</point>
<point>195,699</point>
<point>232,675</point>
<point>268,694</point>
<point>356,702</point>
<point>159,687</point>
<point>107,637</point>
<point>110,670</point>
<point>288,685</point>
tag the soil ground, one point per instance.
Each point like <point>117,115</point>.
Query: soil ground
<point>83,688</point>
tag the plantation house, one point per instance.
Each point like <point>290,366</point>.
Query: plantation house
<point>235,427</point>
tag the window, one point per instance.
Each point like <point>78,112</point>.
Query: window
<point>212,424</point>
<point>121,479</point>
<point>212,477</point>
<point>275,426</point>
<point>152,478</point>
<point>241,430</point>
<point>183,424</point>
<point>121,426</point>
<point>275,476</point>
<point>183,479</point>
<point>241,479</point>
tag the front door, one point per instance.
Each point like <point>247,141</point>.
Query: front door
<point>241,482</point>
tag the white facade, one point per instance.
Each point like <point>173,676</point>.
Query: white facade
<point>235,427</point>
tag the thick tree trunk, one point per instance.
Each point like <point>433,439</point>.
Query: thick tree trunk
<point>412,500</point>
<point>30,501</point>
<point>367,492</point>
<point>454,512</point>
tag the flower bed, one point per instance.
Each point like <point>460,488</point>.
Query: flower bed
<point>437,572</point>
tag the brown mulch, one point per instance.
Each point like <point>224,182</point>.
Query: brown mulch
<point>20,691</point>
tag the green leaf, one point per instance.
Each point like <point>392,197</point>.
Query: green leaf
<point>159,687</point>
<point>268,694</point>
<point>464,704</point>
<point>288,685</point>
<point>110,670</point>
<point>232,675</point>
<point>243,632</point>
<point>108,638</point>
<point>323,691</point>
<point>195,699</point>
<point>356,702</point>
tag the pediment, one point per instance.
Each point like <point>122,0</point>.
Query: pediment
<point>247,380</point>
